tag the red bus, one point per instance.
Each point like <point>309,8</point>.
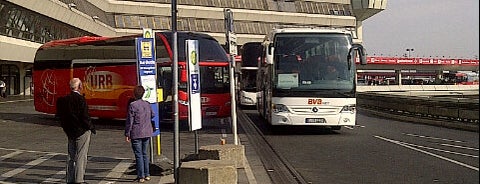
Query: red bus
<point>107,67</point>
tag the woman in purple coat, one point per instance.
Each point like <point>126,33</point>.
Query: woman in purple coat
<point>138,130</point>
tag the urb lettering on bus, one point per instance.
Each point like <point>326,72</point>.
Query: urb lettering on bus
<point>102,80</point>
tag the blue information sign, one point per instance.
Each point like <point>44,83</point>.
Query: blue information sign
<point>147,70</point>
<point>195,83</point>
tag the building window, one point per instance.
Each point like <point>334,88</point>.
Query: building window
<point>21,23</point>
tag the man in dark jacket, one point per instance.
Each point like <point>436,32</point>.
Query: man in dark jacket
<point>75,121</point>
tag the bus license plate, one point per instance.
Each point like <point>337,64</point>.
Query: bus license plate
<point>315,120</point>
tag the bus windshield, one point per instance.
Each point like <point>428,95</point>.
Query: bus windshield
<point>214,80</point>
<point>248,80</point>
<point>312,62</point>
<point>207,45</point>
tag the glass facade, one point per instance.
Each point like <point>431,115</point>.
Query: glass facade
<point>10,74</point>
<point>277,5</point>
<point>132,21</point>
<point>21,23</point>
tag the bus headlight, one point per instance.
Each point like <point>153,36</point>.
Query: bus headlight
<point>247,99</point>
<point>348,108</point>
<point>280,108</point>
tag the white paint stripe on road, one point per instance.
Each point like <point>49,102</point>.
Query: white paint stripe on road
<point>428,153</point>
<point>461,147</point>
<point>117,172</point>
<point>46,152</point>
<point>10,155</point>
<point>435,138</point>
<point>57,177</point>
<point>26,166</point>
<point>348,127</point>
<point>441,150</point>
<point>31,151</point>
<point>12,101</point>
<point>4,182</point>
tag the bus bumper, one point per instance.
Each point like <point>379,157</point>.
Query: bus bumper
<point>341,119</point>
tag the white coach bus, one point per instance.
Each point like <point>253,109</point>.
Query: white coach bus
<point>307,76</point>
<point>250,53</point>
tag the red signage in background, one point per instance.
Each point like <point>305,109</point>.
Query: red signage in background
<point>420,61</point>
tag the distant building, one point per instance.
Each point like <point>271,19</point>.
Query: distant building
<point>26,24</point>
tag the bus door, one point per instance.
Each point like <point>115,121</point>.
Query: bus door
<point>165,80</point>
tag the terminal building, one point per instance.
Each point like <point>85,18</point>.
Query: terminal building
<point>26,24</point>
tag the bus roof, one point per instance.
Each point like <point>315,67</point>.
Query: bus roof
<point>310,30</point>
<point>92,39</point>
<point>73,41</point>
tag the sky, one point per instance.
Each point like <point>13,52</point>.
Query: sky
<point>432,28</point>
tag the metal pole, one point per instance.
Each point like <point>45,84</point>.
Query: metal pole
<point>196,142</point>
<point>176,131</point>
<point>151,150</point>
<point>228,14</point>
<point>233,104</point>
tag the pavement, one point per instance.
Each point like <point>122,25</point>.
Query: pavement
<point>213,132</point>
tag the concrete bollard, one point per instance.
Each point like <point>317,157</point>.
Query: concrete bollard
<point>208,172</point>
<point>228,152</point>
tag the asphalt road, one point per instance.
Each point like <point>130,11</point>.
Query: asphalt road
<point>377,151</point>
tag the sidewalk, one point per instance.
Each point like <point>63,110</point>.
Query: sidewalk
<point>210,134</point>
<point>253,173</point>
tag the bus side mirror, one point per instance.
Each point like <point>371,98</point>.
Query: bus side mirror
<point>270,51</point>
<point>363,56</point>
<point>359,51</point>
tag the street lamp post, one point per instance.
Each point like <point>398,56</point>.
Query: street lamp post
<point>409,50</point>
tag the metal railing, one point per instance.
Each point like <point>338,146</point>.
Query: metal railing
<point>453,107</point>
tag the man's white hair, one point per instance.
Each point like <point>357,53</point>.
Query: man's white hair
<point>75,83</point>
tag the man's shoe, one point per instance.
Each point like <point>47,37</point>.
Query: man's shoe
<point>147,178</point>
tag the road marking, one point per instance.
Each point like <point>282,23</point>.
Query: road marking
<point>10,155</point>
<point>4,182</point>
<point>12,101</point>
<point>47,152</point>
<point>57,177</point>
<point>348,127</point>
<point>428,153</point>
<point>26,166</point>
<point>117,171</point>
<point>441,150</point>
<point>462,147</point>
<point>31,151</point>
<point>435,138</point>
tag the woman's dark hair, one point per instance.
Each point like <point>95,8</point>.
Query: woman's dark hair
<point>138,92</point>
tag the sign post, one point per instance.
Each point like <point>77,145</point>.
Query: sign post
<point>231,38</point>
<point>147,77</point>
<point>193,83</point>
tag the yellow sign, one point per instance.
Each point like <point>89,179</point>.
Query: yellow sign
<point>193,57</point>
<point>147,33</point>
<point>146,50</point>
